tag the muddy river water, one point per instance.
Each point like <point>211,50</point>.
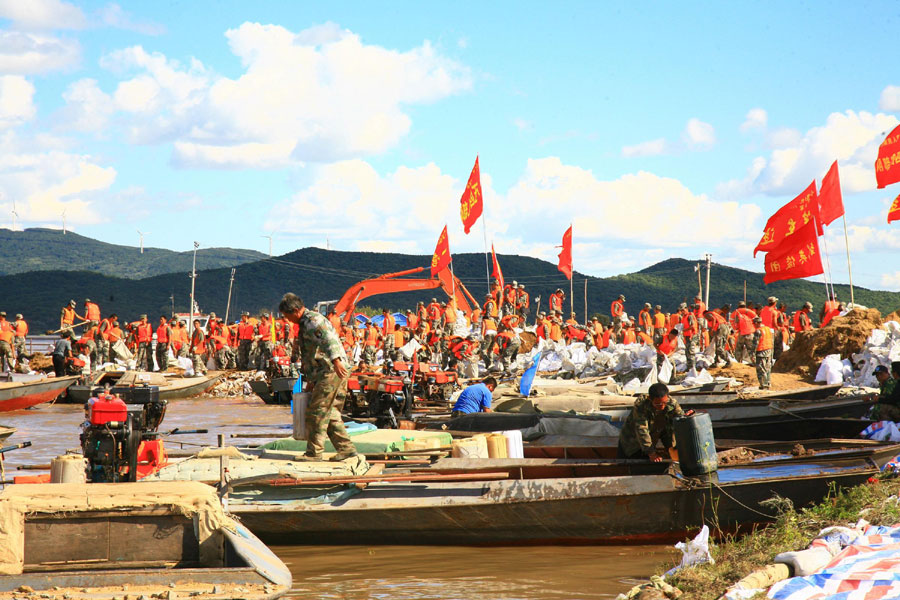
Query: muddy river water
<point>358,572</point>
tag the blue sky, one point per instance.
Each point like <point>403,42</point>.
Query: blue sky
<point>658,130</point>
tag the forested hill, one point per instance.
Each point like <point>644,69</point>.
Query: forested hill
<point>317,274</point>
<point>40,249</point>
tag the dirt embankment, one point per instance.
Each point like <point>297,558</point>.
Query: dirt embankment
<point>747,375</point>
<point>844,335</point>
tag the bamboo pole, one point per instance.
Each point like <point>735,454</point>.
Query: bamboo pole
<point>847,245</point>
<point>585,301</point>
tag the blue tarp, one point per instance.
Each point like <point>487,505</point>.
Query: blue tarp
<point>399,319</point>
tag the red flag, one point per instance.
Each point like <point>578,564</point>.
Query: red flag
<point>441,258</point>
<point>788,219</point>
<point>797,258</point>
<point>887,165</point>
<point>831,205</point>
<point>471,205</point>
<point>496,273</point>
<point>565,256</point>
<point>894,210</point>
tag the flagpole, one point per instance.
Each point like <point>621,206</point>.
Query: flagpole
<point>585,301</point>
<point>828,264</point>
<point>847,245</point>
<point>487,269</point>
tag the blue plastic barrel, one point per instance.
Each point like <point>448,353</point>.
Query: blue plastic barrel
<point>696,444</point>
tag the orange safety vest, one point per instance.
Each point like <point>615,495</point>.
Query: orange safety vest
<point>91,312</point>
<point>68,315</point>
<point>89,333</point>
<point>399,338</point>
<point>555,331</point>
<point>245,331</point>
<point>667,346</point>
<point>767,314</point>
<point>388,325</point>
<point>659,320</point>
<point>555,302</point>
<point>489,324</point>
<point>509,295</point>
<point>617,308</point>
<point>412,321</point>
<point>450,314</point>
<point>830,315</point>
<point>766,339</point>
<point>371,336</point>
<point>265,330</point>
<point>646,339</point>
<point>644,319</point>
<point>628,336</point>
<point>689,324</point>
<point>490,308</point>
<point>434,311</point>
<point>144,333</point>
<point>162,334</point>
<point>6,332</point>
<point>21,328</point>
<point>603,340</point>
<point>199,342</point>
<point>113,334</point>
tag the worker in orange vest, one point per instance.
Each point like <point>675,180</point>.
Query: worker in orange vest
<point>830,305</point>
<point>522,302</point>
<point>508,304</point>
<point>668,346</point>
<point>388,326</point>
<point>266,341</point>
<point>645,320</point>
<point>628,334</point>
<point>659,325</point>
<point>88,340</point>
<point>198,348</point>
<point>617,308</point>
<point>246,331</point>
<point>643,338</point>
<point>691,332</point>
<point>834,312</point>
<point>412,321</point>
<point>555,328</point>
<point>490,307</point>
<point>764,342</point>
<point>701,307</point>
<point>20,332</point>
<point>91,310</point>
<point>768,312</point>
<point>111,334</point>
<point>370,343</point>
<point>7,358</point>
<point>143,332</point>
<point>68,315</point>
<point>448,314</point>
<point>802,321</point>
<point>556,300</point>
<point>742,322</point>
<point>163,343</point>
<point>719,331</point>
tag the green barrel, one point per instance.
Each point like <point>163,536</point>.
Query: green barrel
<point>696,444</point>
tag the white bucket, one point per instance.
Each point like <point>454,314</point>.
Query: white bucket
<point>514,447</point>
<point>68,468</point>
<point>300,401</point>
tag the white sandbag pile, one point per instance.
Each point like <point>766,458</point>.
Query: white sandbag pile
<point>882,348</point>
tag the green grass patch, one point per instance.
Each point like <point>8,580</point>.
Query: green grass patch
<point>738,556</point>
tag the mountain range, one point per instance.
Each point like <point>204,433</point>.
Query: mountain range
<point>317,274</point>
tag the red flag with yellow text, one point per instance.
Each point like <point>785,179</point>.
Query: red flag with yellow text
<point>789,219</point>
<point>887,165</point>
<point>894,210</point>
<point>565,256</point>
<point>471,204</point>
<point>796,258</point>
<point>496,273</point>
<point>831,204</point>
<point>441,259</point>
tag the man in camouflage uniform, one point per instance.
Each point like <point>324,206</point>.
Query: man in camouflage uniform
<point>763,355</point>
<point>690,333</point>
<point>652,419</point>
<point>323,364</point>
<point>885,409</point>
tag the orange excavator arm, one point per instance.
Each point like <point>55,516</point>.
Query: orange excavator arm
<point>391,283</point>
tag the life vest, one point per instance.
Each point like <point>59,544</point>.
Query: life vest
<point>510,321</point>
<point>645,339</point>
<point>509,295</point>
<point>667,346</point>
<point>766,339</point>
<point>743,321</point>
<point>767,314</point>
<point>489,324</point>
<point>701,308</point>
<point>555,331</point>
<point>603,340</point>
<point>659,320</point>
<point>689,324</point>
<point>434,311</point>
<point>371,336</point>
<point>388,325</point>
<point>503,339</point>
<point>522,299</point>
<point>91,311</point>
<point>21,329</point>
<point>399,338</point>
<point>6,332</point>
<point>265,330</point>
<point>450,314</point>
<point>674,319</point>
<point>144,333</point>
<point>830,315</point>
<point>799,324</point>
<point>715,320</point>
<point>422,314</point>
<point>555,301</point>
<point>628,336</point>
<point>162,334</point>
<point>490,308</point>
<point>199,342</point>
<point>68,315</point>
<point>245,331</point>
<point>113,335</point>
<point>89,333</point>
<point>645,320</point>
<point>617,308</point>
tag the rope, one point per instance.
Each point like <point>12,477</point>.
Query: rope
<point>738,502</point>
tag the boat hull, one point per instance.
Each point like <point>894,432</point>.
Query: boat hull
<point>79,394</point>
<point>17,397</point>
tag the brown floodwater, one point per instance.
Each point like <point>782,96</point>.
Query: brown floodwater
<point>362,572</point>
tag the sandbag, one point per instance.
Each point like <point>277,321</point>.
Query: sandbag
<point>805,562</point>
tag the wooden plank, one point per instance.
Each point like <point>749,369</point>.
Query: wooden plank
<point>392,478</point>
<point>85,540</point>
<point>169,538</point>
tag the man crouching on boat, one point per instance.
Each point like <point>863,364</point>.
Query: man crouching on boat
<point>652,419</point>
<point>323,364</point>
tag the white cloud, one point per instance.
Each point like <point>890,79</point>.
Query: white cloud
<point>16,95</point>
<point>87,108</point>
<point>891,281</point>
<point>522,124</point>
<point>26,53</point>
<point>863,238</point>
<point>315,96</point>
<point>113,16</point>
<point>698,134</point>
<point>42,14</point>
<point>851,138</point>
<point>651,148</point>
<point>757,118</point>
<point>890,99</point>
<point>43,181</point>
<point>411,205</point>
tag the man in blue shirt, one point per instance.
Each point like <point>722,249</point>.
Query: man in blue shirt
<point>475,398</point>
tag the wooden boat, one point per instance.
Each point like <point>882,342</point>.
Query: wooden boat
<point>5,432</point>
<point>16,395</point>
<point>170,388</point>
<point>703,395</point>
<point>543,501</point>
<point>107,540</point>
<point>278,391</point>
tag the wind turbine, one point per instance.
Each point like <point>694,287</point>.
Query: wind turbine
<point>142,234</point>
<point>64,221</point>
<point>270,243</point>
<point>15,215</point>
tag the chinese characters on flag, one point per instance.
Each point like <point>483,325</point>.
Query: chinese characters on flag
<point>565,256</point>
<point>831,204</point>
<point>471,204</point>
<point>894,210</point>
<point>441,259</point>
<point>789,219</point>
<point>496,273</point>
<point>799,257</point>
<point>887,165</point>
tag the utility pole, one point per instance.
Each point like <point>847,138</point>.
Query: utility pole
<point>172,298</point>
<point>228,305</point>
<point>708,258</point>
<point>699,281</point>
<point>193,281</point>
<point>64,221</point>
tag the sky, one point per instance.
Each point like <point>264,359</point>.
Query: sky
<point>657,131</point>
